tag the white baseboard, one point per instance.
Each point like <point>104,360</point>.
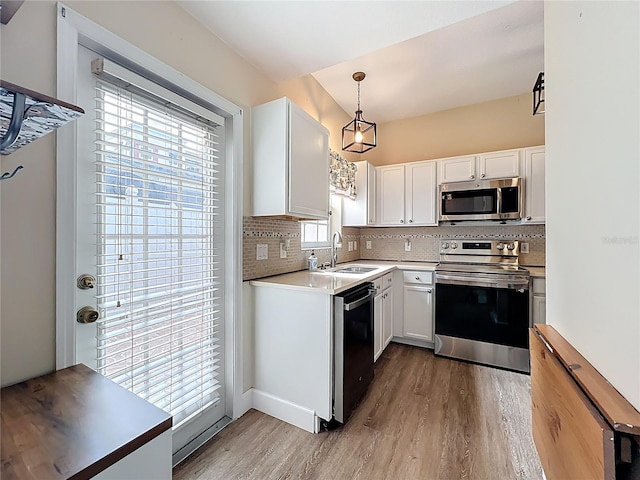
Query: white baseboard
<point>413,343</point>
<point>284,410</point>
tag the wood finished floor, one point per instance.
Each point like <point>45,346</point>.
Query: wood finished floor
<point>424,417</point>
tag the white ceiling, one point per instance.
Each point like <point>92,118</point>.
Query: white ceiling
<point>419,56</point>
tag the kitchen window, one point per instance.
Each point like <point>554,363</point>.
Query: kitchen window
<point>317,233</point>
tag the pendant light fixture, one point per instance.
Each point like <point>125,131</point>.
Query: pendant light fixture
<point>358,136</point>
<point>538,95</point>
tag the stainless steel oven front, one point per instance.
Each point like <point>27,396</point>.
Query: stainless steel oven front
<point>482,306</point>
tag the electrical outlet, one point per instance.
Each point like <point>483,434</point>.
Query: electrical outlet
<point>524,247</point>
<point>350,246</point>
<point>283,250</point>
<point>262,251</point>
<point>368,245</point>
<point>407,245</point>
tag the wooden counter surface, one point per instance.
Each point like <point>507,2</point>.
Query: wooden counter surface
<point>72,424</point>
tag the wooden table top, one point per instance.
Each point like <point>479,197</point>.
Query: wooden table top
<point>621,415</point>
<point>72,424</point>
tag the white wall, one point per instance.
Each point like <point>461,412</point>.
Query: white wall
<point>592,75</point>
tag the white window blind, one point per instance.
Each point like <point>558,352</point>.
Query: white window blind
<point>160,178</point>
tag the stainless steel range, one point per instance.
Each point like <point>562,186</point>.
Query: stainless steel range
<point>482,303</point>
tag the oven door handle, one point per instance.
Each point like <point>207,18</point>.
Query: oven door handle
<point>357,303</point>
<point>513,284</point>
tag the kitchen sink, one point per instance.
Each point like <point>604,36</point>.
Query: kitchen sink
<point>355,269</point>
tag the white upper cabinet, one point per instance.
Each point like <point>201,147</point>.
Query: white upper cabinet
<point>457,169</point>
<point>390,195</point>
<point>407,194</point>
<point>290,162</point>
<point>420,193</point>
<point>485,166</point>
<point>534,178</point>
<point>360,212</point>
<point>504,164</point>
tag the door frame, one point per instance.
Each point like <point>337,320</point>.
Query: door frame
<point>73,30</point>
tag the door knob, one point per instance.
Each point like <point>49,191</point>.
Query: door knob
<point>87,315</point>
<point>86,281</point>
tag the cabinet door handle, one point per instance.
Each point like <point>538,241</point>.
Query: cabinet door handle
<point>528,217</point>
<point>428,290</point>
<point>401,221</point>
<point>472,177</point>
<point>410,221</point>
<point>483,175</point>
<point>417,278</point>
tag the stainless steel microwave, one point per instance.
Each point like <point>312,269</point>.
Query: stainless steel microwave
<point>499,199</point>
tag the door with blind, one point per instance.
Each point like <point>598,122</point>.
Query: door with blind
<point>150,222</point>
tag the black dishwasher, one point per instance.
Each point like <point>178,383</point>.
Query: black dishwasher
<point>353,348</point>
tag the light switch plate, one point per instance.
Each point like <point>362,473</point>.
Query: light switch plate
<point>524,247</point>
<point>368,245</point>
<point>407,245</point>
<point>283,250</point>
<point>350,245</point>
<point>262,251</point>
<point>355,244</point>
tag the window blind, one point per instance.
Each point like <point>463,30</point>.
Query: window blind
<point>160,194</point>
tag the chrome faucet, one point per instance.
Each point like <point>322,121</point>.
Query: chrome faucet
<point>337,239</point>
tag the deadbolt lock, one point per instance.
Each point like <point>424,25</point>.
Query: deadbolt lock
<point>87,315</point>
<point>86,281</point>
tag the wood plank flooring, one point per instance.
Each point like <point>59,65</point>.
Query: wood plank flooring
<point>424,417</point>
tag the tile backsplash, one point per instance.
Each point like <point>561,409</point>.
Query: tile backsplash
<point>272,232</point>
<point>387,243</point>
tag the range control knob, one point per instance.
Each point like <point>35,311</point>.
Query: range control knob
<point>445,245</point>
<point>454,245</point>
<point>511,246</point>
<point>500,246</point>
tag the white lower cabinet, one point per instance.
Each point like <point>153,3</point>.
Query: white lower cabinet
<point>539,301</point>
<point>414,314</point>
<point>418,312</point>
<point>539,309</point>
<point>382,314</point>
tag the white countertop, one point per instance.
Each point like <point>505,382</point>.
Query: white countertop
<point>536,271</point>
<point>331,283</point>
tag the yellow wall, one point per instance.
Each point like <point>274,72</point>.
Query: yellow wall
<point>484,127</point>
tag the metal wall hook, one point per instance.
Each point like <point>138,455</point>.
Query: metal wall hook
<point>7,175</point>
<point>17,117</point>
